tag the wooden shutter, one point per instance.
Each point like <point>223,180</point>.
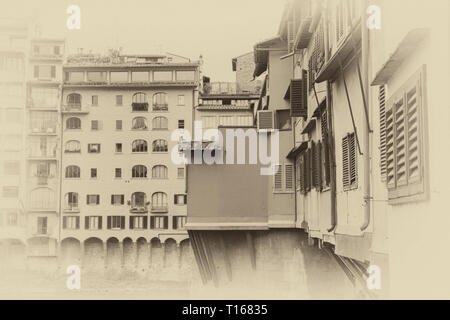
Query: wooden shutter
<point>289,176</point>
<point>97,199</point>
<point>108,222</point>
<point>185,199</point>
<point>390,149</point>
<point>265,120</point>
<point>131,222</point>
<point>122,222</point>
<point>166,222</point>
<point>413,100</point>
<point>174,223</point>
<point>299,96</point>
<point>382,110</point>
<point>278,184</point>
<point>86,223</point>
<point>152,222</point>
<point>400,142</point>
<point>77,221</point>
<point>302,173</point>
<point>122,199</point>
<point>145,223</point>
<point>353,166</point>
<point>325,147</point>
<point>308,172</point>
<point>100,222</point>
<point>318,167</point>
<point>345,163</point>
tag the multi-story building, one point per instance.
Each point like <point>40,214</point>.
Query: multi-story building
<point>120,184</point>
<point>43,140</point>
<point>244,66</point>
<point>13,61</point>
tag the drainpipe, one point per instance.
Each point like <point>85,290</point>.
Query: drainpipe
<point>330,131</point>
<point>365,124</point>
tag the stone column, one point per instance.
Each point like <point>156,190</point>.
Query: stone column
<point>121,254</point>
<point>179,253</point>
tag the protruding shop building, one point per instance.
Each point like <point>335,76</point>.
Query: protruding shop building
<point>361,174</point>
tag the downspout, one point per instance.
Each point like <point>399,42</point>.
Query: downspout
<point>365,125</point>
<point>331,154</point>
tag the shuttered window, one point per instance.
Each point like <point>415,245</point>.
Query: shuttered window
<point>316,166</point>
<point>349,165</point>
<point>277,179</point>
<point>403,141</point>
<point>289,171</point>
<point>299,96</point>
<point>382,110</point>
<point>325,154</point>
<point>302,174</point>
<point>265,120</point>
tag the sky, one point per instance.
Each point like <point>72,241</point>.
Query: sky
<point>216,29</point>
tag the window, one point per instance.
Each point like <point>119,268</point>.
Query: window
<point>11,168</point>
<point>404,145</point>
<point>283,119</point>
<point>382,109</point>
<point>160,102</point>
<point>118,147</point>
<point>326,171</point>
<point>41,225</point>
<point>72,172</point>
<point>73,123</point>
<point>180,173</point>
<point>160,123</point>
<point>159,222</point>
<point>160,145</point>
<point>118,172</point>
<point>180,124</point>
<point>139,146</point>
<point>159,172</point>
<point>94,147</point>
<point>159,201</point>
<point>43,122</point>
<point>117,199</point>
<point>139,201</point>
<point>119,100</point>
<point>316,153</point>
<point>119,76</point>
<point>10,192</point>
<point>71,201</point>
<point>162,76</point>
<point>180,100</point>
<point>93,222</point>
<point>95,101</point>
<point>289,176</point>
<point>44,72</point>
<point>139,123</point>
<point>139,102</point>
<point>74,100</point>
<point>71,222</point>
<point>94,125</point>
<point>180,199</point>
<point>349,165</point>
<point>12,219</point>
<point>139,76</point>
<point>96,76</point>
<point>178,223</point>
<point>93,172</point>
<point>138,222</point>
<point>72,146</point>
<point>93,199</point>
<point>116,222</point>
<point>118,124</point>
<point>139,171</point>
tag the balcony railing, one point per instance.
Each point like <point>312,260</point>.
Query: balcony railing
<point>139,106</point>
<point>160,107</point>
<point>139,209</point>
<point>160,208</point>
<point>74,108</point>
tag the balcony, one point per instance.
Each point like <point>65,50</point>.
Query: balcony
<point>139,209</point>
<point>43,130</point>
<point>160,208</point>
<point>160,107</point>
<point>72,208</point>
<point>74,108</point>
<point>139,106</point>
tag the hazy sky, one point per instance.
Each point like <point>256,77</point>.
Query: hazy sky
<point>217,29</point>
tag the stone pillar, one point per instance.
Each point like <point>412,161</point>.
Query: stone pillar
<point>105,255</point>
<point>179,253</point>
<point>82,252</point>
<point>121,254</point>
<point>163,246</point>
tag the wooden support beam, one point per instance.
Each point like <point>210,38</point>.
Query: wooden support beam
<point>226,257</point>
<point>195,248</point>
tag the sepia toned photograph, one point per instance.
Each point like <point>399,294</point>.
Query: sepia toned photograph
<point>224,150</point>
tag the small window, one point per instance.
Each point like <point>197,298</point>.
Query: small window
<point>180,100</point>
<point>118,173</point>
<point>118,147</point>
<point>178,222</point>
<point>180,124</point>
<point>119,101</point>
<point>117,199</point>
<point>94,147</point>
<point>73,146</point>
<point>118,124</point>
<point>95,101</point>
<point>93,172</point>
<point>73,123</point>
<point>116,222</point>
<point>93,199</point>
<point>180,172</point>
<point>93,222</point>
<point>72,172</point>
<point>94,124</point>
<point>71,223</point>
<point>139,146</point>
<point>349,164</point>
<point>139,102</point>
<point>180,199</point>
<point>74,100</point>
<point>159,222</point>
<point>71,201</point>
<point>160,101</point>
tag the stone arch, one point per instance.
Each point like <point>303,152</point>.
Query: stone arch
<point>157,254</point>
<point>70,251</point>
<point>94,254</point>
<point>171,254</point>
<point>142,255</point>
<point>114,253</point>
